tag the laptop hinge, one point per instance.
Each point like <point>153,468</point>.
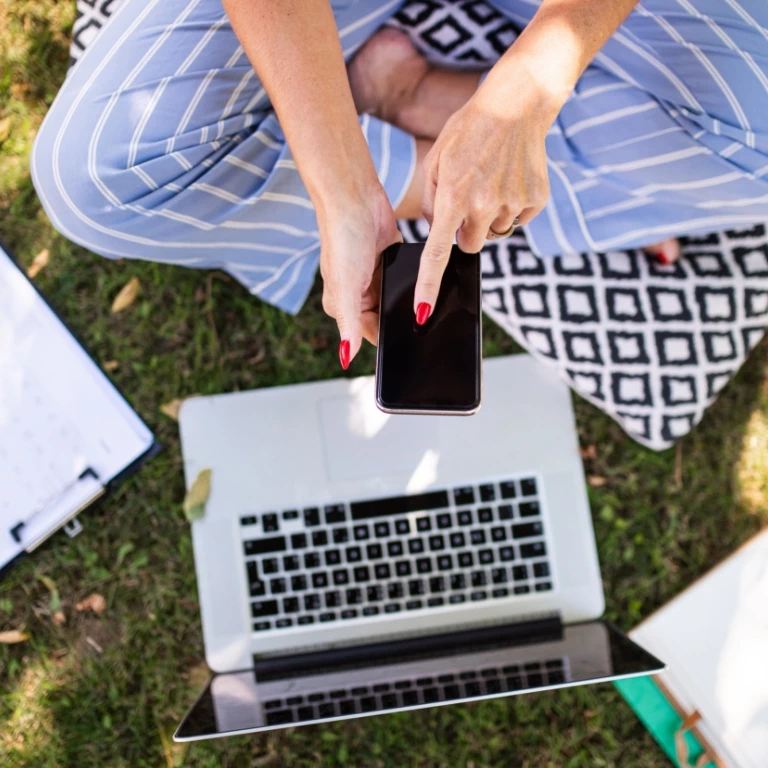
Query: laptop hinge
<point>520,633</point>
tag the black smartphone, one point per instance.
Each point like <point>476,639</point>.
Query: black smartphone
<point>435,367</point>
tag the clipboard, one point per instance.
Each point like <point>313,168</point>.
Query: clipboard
<point>62,448</point>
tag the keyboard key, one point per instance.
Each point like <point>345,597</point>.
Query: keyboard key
<point>354,596</point>
<point>361,691</point>
<point>374,593</point>
<point>306,620</point>
<point>253,570</point>
<point>458,582</point>
<point>395,548</point>
<point>519,572</point>
<point>505,511</point>
<point>525,530</point>
<point>506,553</point>
<point>340,577</point>
<point>347,707</point>
<point>362,573</point>
<point>453,599</point>
<point>340,535</point>
<point>541,570</point>
<point>555,678</point>
<point>415,546</point>
<point>299,583</point>
<point>507,489</point>
<point>528,487</point>
<point>381,529</point>
<point>445,562</point>
<point>273,704</point>
<point>431,695</point>
<point>290,605</point>
<point>478,578</point>
<point>339,694</point>
<point>493,686</point>
<point>261,626</point>
<point>282,623</point>
<point>485,514</point>
<point>437,584</point>
<point>382,571</point>
<point>389,701</point>
<point>444,520</point>
<point>485,556</point>
<point>349,613</point>
<point>269,523</point>
<point>374,551</point>
<point>402,527</point>
<point>499,575</point>
<point>392,608</point>
<point>522,589</point>
<point>437,542</point>
<point>403,567</point>
<point>305,713</point>
<point>277,586</point>
<point>328,709</point>
<point>291,563</point>
<point>327,616</point>
<point>332,600</point>
<point>457,539</point>
<point>414,605</point>
<point>468,675</point>
<point>487,492</point>
<point>319,538</point>
<point>263,546</point>
<point>423,524</point>
<point>466,560</point>
<point>472,689</point>
<point>319,580</point>
<point>270,565</point>
<point>311,560</point>
<point>395,590</point>
<point>452,692</point>
<point>311,517</point>
<point>354,554</point>
<point>299,540</point>
<point>543,586</point>
<point>311,603</point>
<point>335,513</point>
<point>464,517</point>
<point>462,496</point>
<point>480,595</point>
<point>416,587</point>
<point>410,698</point>
<point>290,514</point>
<point>280,717</point>
<point>498,534</point>
<point>501,592</point>
<point>332,557</point>
<point>477,536</point>
<point>262,608</point>
<point>370,610</point>
<point>537,549</point>
<point>362,532</point>
<point>248,520</point>
<point>257,588</point>
<point>529,509</point>
<point>368,704</point>
<point>424,565</point>
<point>435,602</point>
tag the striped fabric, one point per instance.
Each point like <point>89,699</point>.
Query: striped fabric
<point>162,144</point>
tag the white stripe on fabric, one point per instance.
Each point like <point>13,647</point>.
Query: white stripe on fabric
<point>246,166</point>
<point>145,177</point>
<point>230,197</point>
<point>625,205</point>
<point>386,137</point>
<point>281,269</point>
<point>637,140</point>
<point>749,19</point>
<point>711,181</point>
<point>608,117</point>
<point>355,25</point>
<point>191,107</point>
<point>731,149</point>
<point>133,147</point>
<point>733,203</point>
<point>276,226</point>
<point>598,89</point>
<point>648,162</point>
<point>576,205</point>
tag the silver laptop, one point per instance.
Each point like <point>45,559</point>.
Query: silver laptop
<point>351,562</point>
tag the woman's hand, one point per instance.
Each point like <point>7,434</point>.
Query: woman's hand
<point>353,234</point>
<point>487,168</point>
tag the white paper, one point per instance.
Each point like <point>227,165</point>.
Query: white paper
<point>58,415</point>
<point>714,637</point>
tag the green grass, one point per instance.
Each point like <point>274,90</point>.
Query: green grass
<point>661,519</point>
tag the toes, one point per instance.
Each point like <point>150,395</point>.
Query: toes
<point>666,251</point>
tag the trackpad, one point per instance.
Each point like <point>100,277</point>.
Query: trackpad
<point>363,442</point>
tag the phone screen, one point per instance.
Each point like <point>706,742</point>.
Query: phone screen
<point>433,367</point>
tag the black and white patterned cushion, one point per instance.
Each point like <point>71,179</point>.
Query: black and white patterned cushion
<point>650,345</point>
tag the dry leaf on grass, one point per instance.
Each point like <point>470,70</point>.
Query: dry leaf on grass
<point>94,602</point>
<point>197,496</point>
<point>127,295</point>
<point>110,365</point>
<point>38,263</point>
<point>13,636</point>
<point>172,407</point>
<point>5,129</point>
<point>59,619</point>
<point>588,452</point>
<point>596,481</point>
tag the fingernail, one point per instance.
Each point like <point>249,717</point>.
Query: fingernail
<point>344,354</point>
<point>422,313</point>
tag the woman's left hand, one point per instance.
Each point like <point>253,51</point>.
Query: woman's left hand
<point>487,168</point>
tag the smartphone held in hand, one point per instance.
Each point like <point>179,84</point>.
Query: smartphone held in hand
<point>434,368</point>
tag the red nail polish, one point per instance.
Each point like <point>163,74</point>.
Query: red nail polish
<point>423,312</point>
<point>344,354</point>
<point>662,257</point>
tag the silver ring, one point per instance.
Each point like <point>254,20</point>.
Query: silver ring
<point>499,235</point>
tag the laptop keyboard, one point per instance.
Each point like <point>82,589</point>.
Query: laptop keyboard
<point>410,693</point>
<point>346,561</point>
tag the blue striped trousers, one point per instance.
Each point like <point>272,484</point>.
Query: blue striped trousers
<point>162,144</point>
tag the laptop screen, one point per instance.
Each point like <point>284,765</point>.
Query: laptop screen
<point>478,668</point>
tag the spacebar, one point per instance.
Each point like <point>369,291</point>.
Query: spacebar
<point>398,505</point>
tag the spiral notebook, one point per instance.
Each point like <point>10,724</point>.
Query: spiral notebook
<point>67,435</point>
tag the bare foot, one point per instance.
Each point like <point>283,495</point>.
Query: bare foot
<point>385,74</point>
<point>666,251</point>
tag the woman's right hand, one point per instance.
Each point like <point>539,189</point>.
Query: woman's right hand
<point>354,230</point>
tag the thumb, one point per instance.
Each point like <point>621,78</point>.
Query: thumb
<point>348,320</point>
